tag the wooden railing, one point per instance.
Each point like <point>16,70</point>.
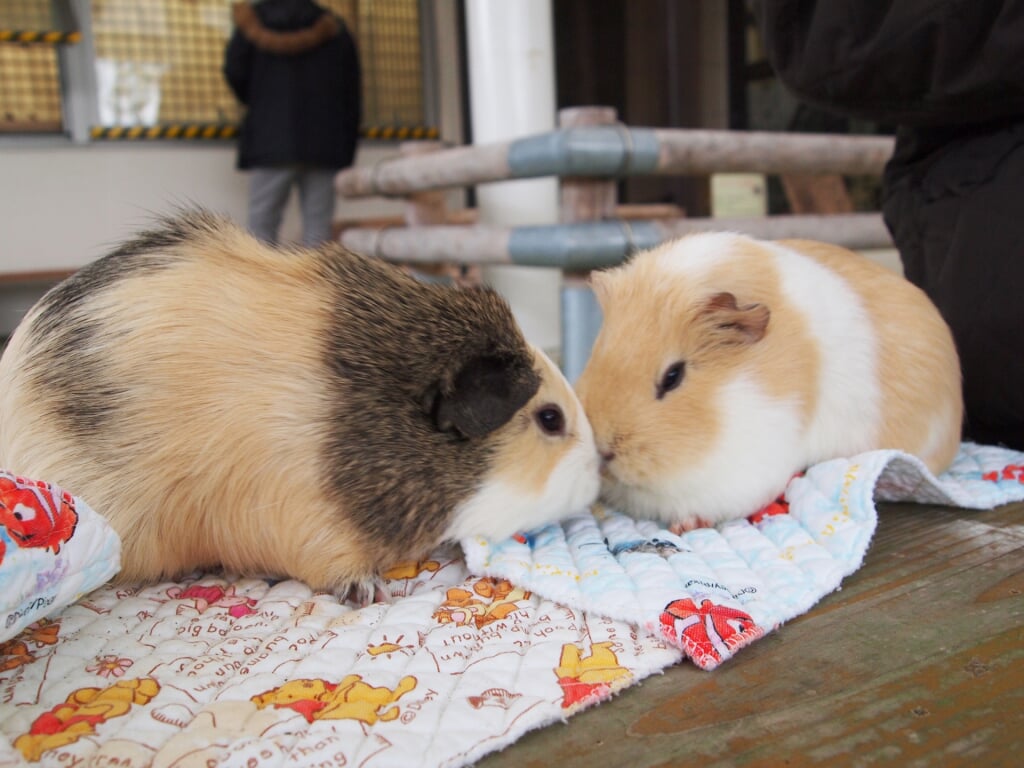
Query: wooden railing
<point>589,153</point>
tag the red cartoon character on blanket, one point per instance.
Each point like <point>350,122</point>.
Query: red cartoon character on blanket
<point>35,514</point>
<point>707,632</point>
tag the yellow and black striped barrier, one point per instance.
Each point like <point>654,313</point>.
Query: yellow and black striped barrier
<point>400,132</point>
<point>33,37</point>
<point>199,131</point>
<point>182,131</point>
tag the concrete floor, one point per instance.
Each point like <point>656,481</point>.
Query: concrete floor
<point>917,661</point>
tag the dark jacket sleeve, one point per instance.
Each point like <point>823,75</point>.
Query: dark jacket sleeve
<point>914,62</point>
<point>237,65</point>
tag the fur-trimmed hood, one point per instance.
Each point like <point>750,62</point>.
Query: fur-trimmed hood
<point>286,28</point>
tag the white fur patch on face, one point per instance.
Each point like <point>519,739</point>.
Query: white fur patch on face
<point>757,453</point>
<point>500,508</point>
<point>849,395</point>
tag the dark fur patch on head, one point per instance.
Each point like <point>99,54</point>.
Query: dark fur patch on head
<point>400,350</point>
<point>66,361</point>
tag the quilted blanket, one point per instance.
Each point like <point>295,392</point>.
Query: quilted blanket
<point>712,591</point>
<point>474,648</point>
<point>53,550</point>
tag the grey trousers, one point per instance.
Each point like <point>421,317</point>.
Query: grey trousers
<point>269,189</point>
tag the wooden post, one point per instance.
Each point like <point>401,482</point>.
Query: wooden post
<point>582,199</point>
<point>810,193</point>
<point>428,208</point>
<point>698,151</point>
<point>424,208</point>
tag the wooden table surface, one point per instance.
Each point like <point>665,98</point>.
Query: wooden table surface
<point>917,661</point>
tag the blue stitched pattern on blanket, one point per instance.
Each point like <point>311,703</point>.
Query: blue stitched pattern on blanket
<point>712,591</point>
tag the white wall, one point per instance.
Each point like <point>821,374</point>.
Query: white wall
<point>63,205</point>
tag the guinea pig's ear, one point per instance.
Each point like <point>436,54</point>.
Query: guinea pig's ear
<point>734,324</point>
<point>484,395</point>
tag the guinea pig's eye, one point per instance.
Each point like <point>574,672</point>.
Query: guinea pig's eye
<point>550,419</point>
<point>672,378</point>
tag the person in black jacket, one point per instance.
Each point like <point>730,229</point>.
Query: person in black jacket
<point>950,75</point>
<point>295,67</point>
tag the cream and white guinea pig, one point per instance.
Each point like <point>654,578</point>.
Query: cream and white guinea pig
<point>725,365</point>
<point>306,413</point>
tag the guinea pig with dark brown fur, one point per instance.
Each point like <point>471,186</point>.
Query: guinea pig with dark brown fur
<point>725,365</point>
<point>304,413</point>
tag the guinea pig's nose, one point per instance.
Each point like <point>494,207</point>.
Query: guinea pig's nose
<point>607,454</point>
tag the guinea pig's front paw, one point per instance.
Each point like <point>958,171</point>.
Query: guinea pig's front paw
<point>365,592</point>
<point>690,524</point>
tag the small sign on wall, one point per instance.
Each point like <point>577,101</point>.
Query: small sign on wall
<point>738,195</point>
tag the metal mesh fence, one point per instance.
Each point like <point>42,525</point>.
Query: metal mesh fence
<point>29,89</point>
<point>389,44</point>
<point>158,63</point>
<point>29,75</point>
<point>30,15</point>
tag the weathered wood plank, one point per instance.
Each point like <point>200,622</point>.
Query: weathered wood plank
<point>917,661</point>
